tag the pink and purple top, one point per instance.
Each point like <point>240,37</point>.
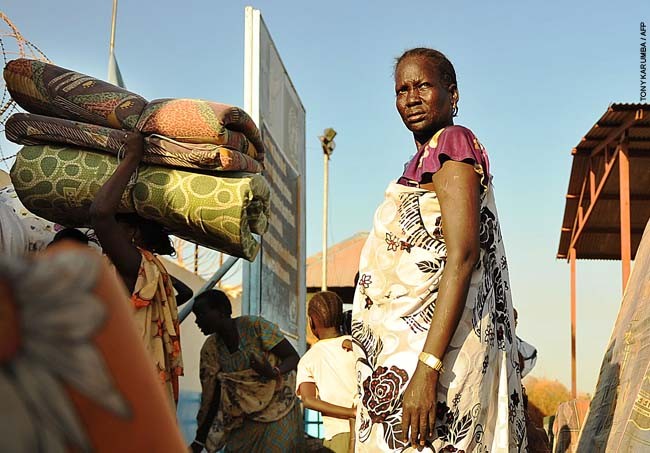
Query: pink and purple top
<point>451,143</point>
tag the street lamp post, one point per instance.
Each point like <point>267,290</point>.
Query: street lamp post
<point>327,143</point>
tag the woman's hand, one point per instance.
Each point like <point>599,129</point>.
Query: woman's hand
<point>133,143</point>
<point>419,406</point>
<point>262,367</point>
<point>195,447</point>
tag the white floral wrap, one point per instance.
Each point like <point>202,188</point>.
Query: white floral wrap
<point>479,399</point>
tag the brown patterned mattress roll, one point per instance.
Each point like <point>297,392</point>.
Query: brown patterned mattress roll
<point>46,89</point>
<point>199,121</point>
<point>29,129</point>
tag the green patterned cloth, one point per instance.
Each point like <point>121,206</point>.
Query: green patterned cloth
<point>220,212</point>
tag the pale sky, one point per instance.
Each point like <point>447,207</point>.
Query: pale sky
<point>533,78</point>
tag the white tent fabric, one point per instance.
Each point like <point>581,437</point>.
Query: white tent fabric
<point>13,234</point>
<point>21,231</point>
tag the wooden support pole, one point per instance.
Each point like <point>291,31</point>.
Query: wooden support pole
<point>578,227</point>
<point>592,180</point>
<point>624,193</point>
<point>572,261</point>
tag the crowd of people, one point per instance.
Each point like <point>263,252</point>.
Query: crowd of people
<point>432,363</point>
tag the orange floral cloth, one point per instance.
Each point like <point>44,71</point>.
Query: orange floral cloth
<point>156,316</point>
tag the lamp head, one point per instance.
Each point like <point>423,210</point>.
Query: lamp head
<point>329,134</point>
<point>327,140</point>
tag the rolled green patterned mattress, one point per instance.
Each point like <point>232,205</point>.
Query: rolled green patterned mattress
<point>29,129</point>
<point>219,212</point>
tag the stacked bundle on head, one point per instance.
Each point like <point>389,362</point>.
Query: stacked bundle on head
<point>195,151</point>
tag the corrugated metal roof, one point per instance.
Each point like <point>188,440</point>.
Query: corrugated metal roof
<point>600,238</point>
<point>5,180</point>
<point>342,263</point>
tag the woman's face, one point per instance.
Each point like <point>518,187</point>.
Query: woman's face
<point>208,320</point>
<point>422,101</point>
<point>131,232</point>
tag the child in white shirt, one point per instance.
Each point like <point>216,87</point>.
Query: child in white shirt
<point>326,379</point>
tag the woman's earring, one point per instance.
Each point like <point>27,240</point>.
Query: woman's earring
<point>454,109</point>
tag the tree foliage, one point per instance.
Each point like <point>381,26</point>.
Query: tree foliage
<point>545,395</point>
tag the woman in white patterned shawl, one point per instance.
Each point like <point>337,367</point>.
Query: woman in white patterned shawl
<point>432,321</point>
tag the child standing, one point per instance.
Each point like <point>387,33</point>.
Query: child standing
<point>326,379</point>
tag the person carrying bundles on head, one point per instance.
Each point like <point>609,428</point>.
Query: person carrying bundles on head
<point>326,379</point>
<point>69,234</point>
<point>248,401</point>
<point>433,327</point>
<point>132,244</point>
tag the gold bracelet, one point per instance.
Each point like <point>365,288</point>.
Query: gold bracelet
<point>431,361</point>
